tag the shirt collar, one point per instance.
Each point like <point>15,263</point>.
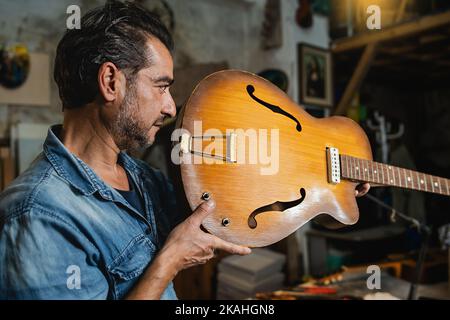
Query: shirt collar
<point>75,171</point>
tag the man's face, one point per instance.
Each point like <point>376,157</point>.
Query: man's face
<point>147,101</point>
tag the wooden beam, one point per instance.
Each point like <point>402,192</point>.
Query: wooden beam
<point>392,32</point>
<point>358,76</point>
<point>430,38</point>
<point>398,50</point>
<point>401,11</point>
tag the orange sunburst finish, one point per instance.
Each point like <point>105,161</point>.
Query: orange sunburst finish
<point>221,101</point>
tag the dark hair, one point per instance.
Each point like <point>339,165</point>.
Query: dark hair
<point>114,33</point>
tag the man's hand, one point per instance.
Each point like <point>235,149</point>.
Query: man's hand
<point>190,246</point>
<point>362,189</point>
<point>186,246</point>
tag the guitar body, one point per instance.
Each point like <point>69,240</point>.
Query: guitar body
<point>262,203</point>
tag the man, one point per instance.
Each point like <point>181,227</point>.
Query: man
<point>87,221</point>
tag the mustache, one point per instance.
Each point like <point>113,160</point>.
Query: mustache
<point>160,121</point>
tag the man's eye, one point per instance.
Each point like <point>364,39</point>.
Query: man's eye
<point>163,88</point>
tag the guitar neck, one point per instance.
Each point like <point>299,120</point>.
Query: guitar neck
<point>362,170</point>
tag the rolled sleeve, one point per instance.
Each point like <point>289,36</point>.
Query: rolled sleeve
<point>44,257</point>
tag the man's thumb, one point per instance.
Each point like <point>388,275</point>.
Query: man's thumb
<point>203,210</point>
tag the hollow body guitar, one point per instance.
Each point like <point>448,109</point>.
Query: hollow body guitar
<point>270,166</point>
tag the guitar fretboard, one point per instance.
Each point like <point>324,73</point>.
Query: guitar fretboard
<point>379,173</point>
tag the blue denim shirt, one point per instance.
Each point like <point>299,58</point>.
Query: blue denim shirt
<point>65,234</point>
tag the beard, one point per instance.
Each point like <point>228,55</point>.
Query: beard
<point>129,132</point>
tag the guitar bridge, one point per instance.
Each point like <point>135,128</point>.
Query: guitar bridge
<point>333,165</point>
<point>186,146</point>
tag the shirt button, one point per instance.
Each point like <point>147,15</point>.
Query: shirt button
<point>148,231</point>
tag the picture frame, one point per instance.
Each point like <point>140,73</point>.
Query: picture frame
<point>315,73</point>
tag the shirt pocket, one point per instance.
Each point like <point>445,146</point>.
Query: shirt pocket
<point>130,264</point>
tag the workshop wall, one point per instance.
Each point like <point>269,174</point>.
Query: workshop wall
<point>234,37</point>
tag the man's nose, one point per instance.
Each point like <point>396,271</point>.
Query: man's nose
<point>170,107</point>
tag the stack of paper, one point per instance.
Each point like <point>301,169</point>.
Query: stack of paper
<point>241,277</point>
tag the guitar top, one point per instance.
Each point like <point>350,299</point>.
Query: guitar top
<point>270,166</point>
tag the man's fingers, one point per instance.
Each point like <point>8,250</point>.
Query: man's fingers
<point>230,247</point>
<point>362,189</point>
<point>202,211</point>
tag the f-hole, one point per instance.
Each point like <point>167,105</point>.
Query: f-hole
<point>276,206</point>
<point>273,108</point>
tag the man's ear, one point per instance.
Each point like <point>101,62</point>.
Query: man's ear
<point>111,82</point>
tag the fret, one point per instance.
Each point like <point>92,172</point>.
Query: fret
<point>374,172</point>
<point>347,170</point>
<point>408,178</point>
<point>439,185</point>
<point>351,168</point>
<point>393,175</point>
<point>411,180</point>
<point>395,171</point>
<point>377,172</point>
<point>380,171</point>
<point>349,159</point>
<point>361,170</point>
<point>404,176</point>
<point>386,174</point>
<point>358,168</point>
<point>423,181</point>
<point>342,160</point>
<point>364,170</point>
<point>357,171</point>
<point>418,181</point>
<point>366,174</point>
<point>389,178</point>
<point>346,163</point>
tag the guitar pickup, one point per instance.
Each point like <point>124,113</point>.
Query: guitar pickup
<point>333,165</point>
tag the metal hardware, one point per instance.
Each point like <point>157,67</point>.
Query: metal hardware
<point>225,222</point>
<point>333,165</point>
<point>186,143</point>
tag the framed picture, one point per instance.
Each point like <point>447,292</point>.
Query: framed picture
<point>315,76</point>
